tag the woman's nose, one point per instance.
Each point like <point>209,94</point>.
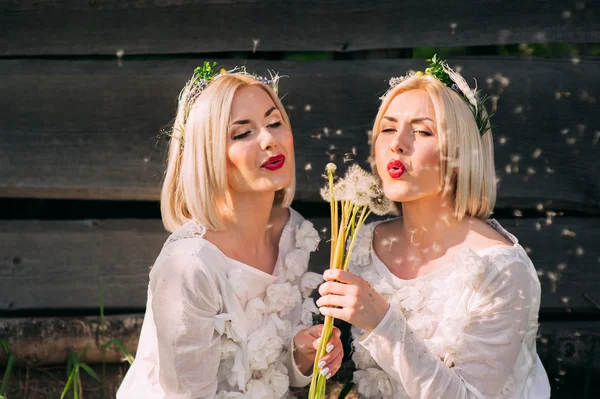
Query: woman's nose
<point>267,140</point>
<point>399,143</point>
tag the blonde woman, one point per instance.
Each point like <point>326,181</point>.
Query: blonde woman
<point>443,301</point>
<point>225,316</point>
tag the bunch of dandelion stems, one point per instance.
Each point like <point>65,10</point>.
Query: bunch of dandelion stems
<point>352,218</point>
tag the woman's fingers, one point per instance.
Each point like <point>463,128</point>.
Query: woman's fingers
<point>341,276</point>
<point>335,288</point>
<point>333,300</point>
<point>338,313</point>
<point>330,363</point>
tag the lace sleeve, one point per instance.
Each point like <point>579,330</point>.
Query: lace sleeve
<point>185,306</point>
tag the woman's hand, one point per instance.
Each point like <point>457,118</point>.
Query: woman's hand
<point>350,298</point>
<point>306,343</point>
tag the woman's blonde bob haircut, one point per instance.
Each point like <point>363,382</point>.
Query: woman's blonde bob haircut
<point>467,174</point>
<point>195,184</point>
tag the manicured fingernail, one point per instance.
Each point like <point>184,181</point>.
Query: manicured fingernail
<point>328,376</point>
<point>318,340</point>
<point>321,363</point>
<point>329,348</point>
<point>325,371</point>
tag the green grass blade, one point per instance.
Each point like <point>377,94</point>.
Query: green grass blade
<point>91,372</point>
<point>67,386</point>
<point>6,346</point>
<point>76,384</point>
<point>9,367</point>
<point>128,356</point>
<point>70,363</point>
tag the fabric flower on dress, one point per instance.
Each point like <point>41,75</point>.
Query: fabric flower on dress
<point>307,237</point>
<point>277,378</point>
<point>282,298</point>
<point>255,313</point>
<point>362,358</point>
<point>237,279</point>
<point>230,395</point>
<point>231,328</point>
<point>232,363</point>
<point>361,255</point>
<point>264,346</point>
<point>259,389</point>
<point>283,327</point>
<point>296,263</point>
<point>309,282</point>
<point>373,383</point>
<point>309,308</point>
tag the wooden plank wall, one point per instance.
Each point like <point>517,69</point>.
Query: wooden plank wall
<point>88,89</point>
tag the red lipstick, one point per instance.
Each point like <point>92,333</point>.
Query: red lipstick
<point>273,163</point>
<point>395,169</point>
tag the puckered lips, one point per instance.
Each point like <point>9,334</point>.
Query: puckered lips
<point>395,169</point>
<point>273,163</point>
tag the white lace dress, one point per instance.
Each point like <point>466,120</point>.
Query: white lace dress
<point>218,328</point>
<point>466,330</point>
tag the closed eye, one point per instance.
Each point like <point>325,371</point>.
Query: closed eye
<point>388,130</point>
<point>274,125</point>
<point>241,135</point>
<point>424,133</point>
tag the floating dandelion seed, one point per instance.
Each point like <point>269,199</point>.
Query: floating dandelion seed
<point>338,132</point>
<point>596,137</point>
<point>562,373</point>
<point>561,267</point>
<point>453,26</point>
<point>571,140</point>
<point>536,154</point>
<point>255,44</point>
<point>146,159</point>
<point>508,169</point>
<point>549,216</point>
<point>120,53</point>
<point>354,150</point>
<point>307,107</point>
<point>530,171</point>
<point>538,226</point>
<point>549,170</point>
<point>317,136</point>
<point>515,158</point>
<point>539,206</point>
<point>540,272</point>
<point>528,250</point>
<point>332,147</point>
<point>575,60</point>
<point>291,107</point>
<point>566,14</point>
<point>579,251</point>
<point>517,213</point>
<point>308,167</point>
<point>568,233</point>
<point>564,131</point>
<point>324,230</point>
<point>502,140</point>
<point>553,277</point>
<point>565,299</point>
<point>326,131</point>
<point>518,109</point>
<point>544,340</point>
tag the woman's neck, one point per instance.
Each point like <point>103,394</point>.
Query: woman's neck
<point>428,222</point>
<point>248,218</point>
